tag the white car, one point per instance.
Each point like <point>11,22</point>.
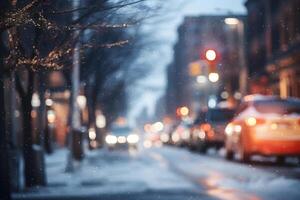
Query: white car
<point>122,136</point>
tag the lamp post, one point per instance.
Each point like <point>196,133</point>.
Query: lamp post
<point>239,26</point>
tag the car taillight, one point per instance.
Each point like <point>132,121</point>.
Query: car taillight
<point>252,121</point>
<point>206,127</point>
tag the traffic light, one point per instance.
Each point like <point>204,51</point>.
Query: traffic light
<point>211,57</point>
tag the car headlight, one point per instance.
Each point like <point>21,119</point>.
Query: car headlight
<point>111,139</point>
<point>132,138</point>
<point>121,139</point>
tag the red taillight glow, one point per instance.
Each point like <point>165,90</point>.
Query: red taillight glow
<point>210,134</point>
<point>252,121</point>
<point>206,127</point>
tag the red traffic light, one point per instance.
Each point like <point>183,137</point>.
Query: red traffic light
<point>210,55</point>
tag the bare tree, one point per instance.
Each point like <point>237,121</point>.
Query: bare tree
<point>39,37</point>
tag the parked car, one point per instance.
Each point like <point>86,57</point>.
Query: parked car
<point>197,135</point>
<point>212,132</point>
<point>152,139</point>
<point>164,135</point>
<point>181,134</point>
<point>122,136</point>
<point>264,125</point>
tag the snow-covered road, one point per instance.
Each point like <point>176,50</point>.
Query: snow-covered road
<point>164,173</point>
<point>233,180</point>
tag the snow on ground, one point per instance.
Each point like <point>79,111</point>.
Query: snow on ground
<point>163,169</point>
<point>105,172</point>
<point>242,181</point>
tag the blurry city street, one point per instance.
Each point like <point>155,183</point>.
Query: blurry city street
<point>164,173</point>
<point>149,100</point>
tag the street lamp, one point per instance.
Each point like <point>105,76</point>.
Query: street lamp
<point>51,116</point>
<point>212,102</point>
<point>224,95</point>
<point>183,111</point>
<point>158,126</point>
<point>49,102</point>
<point>35,100</point>
<point>81,101</point>
<point>100,121</point>
<point>92,133</point>
<point>231,21</point>
<point>239,26</point>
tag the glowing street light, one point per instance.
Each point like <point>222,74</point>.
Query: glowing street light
<point>81,101</point>
<point>231,21</point>
<point>237,95</point>
<point>212,102</point>
<point>224,95</point>
<point>183,111</point>
<point>213,77</point>
<point>51,116</point>
<point>35,101</point>
<point>92,133</point>
<point>100,121</point>
<point>49,102</point>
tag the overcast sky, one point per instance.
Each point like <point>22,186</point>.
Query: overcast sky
<point>163,29</point>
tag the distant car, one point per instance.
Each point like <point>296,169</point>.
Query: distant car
<point>169,132</point>
<point>153,139</point>
<point>181,134</point>
<point>196,133</point>
<point>122,136</point>
<point>164,136</point>
<point>264,125</point>
<point>212,132</point>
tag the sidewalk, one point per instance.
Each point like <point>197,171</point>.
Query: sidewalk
<point>103,173</point>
